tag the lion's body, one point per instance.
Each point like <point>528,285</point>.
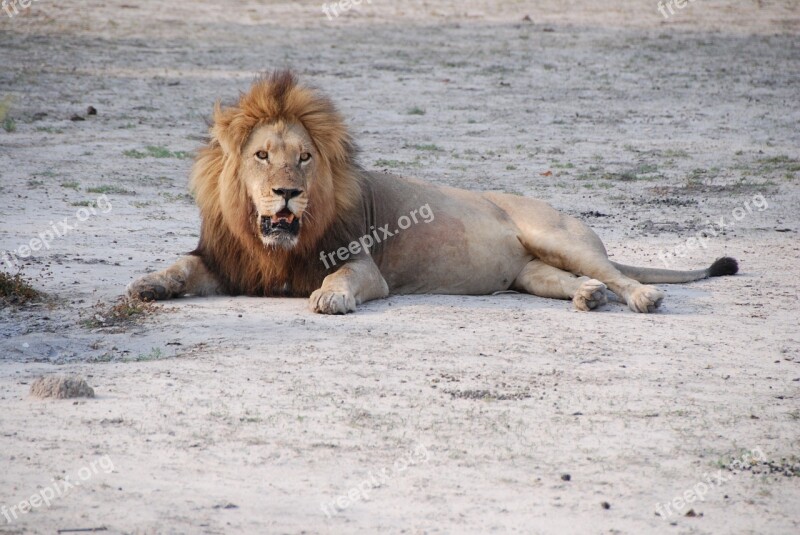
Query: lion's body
<point>286,211</point>
<point>470,247</point>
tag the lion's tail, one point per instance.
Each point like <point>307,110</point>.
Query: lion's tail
<point>723,266</point>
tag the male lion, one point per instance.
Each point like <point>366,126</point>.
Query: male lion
<point>286,211</point>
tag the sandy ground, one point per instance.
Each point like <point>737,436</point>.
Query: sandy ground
<point>426,414</point>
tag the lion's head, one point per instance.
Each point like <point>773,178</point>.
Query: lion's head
<point>276,178</point>
<point>278,168</point>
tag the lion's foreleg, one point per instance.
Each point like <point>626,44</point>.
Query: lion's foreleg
<point>187,276</point>
<point>356,282</point>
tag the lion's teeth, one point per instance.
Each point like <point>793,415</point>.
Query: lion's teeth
<point>278,218</point>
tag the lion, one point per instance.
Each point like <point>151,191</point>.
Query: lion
<point>287,211</point>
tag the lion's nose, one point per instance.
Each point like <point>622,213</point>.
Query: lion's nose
<point>287,193</point>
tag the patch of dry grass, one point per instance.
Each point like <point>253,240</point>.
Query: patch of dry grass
<point>16,289</point>
<point>125,311</point>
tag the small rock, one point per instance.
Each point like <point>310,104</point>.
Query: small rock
<point>566,477</point>
<point>61,387</point>
<point>76,117</point>
<point>91,110</point>
<point>605,505</point>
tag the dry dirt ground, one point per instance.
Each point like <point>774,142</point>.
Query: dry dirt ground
<point>422,414</point>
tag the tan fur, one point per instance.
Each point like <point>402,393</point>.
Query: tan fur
<point>283,151</point>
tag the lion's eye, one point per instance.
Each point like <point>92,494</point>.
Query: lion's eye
<point>305,157</point>
<point>262,155</point>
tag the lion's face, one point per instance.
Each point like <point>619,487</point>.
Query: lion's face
<point>278,167</point>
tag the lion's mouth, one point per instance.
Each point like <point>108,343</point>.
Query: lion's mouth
<point>283,221</point>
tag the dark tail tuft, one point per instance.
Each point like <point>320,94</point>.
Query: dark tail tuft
<point>723,266</point>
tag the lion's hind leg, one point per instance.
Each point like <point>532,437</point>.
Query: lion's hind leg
<point>574,253</point>
<point>566,243</point>
<point>543,280</point>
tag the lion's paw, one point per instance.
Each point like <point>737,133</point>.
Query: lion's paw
<point>326,302</point>
<point>645,299</point>
<point>590,295</point>
<point>153,287</point>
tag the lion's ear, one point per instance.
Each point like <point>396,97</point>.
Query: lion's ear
<point>229,129</point>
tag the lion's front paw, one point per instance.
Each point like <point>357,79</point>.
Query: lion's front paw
<point>326,302</point>
<point>645,299</point>
<point>590,295</point>
<point>153,287</point>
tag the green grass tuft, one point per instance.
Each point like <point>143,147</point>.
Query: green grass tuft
<point>109,189</point>
<point>388,163</point>
<point>152,151</point>
<point>429,147</point>
<point>71,185</point>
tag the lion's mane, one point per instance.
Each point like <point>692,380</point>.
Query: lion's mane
<point>229,244</point>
